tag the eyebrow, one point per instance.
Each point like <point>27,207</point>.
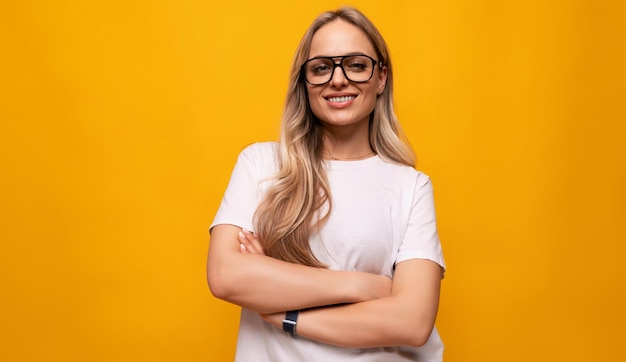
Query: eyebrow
<point>344,55</point>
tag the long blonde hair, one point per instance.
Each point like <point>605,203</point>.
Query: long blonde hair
<point>291,209</point>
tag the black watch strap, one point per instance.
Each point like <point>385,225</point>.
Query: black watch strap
<point>290,321</point>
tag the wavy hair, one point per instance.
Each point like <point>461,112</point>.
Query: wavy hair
<point>293,207</point>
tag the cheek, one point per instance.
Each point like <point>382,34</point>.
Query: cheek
<point>372,97</point>
<point>314,101</point>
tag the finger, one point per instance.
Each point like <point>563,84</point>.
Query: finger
<point>246,239</point>
<point>242,243</point>
<point>254,241</point>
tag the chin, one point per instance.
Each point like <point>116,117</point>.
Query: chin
<point>341,122</point>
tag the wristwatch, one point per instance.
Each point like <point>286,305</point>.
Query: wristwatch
<point>290,321</point>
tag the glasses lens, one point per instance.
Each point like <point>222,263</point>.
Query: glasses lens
<point>319,71</point>
<point>358,68</point>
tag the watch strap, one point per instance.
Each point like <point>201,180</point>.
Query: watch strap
<point>290,322</point>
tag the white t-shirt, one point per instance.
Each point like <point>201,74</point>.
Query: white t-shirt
<point>382,214</point>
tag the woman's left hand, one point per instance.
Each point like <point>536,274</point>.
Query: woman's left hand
<point>249,243</point>
<point>275,319</point>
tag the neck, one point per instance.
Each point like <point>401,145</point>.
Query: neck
<point>347,143</point>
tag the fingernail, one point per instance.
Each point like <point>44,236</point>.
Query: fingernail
<point>241,235</point>
<point>243,247</point>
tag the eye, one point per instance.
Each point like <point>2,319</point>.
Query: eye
<point>357,64</point>
<point>319,66</point>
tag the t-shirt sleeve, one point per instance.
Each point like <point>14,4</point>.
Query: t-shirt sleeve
<point>421,240</point>
<point>242,193</point>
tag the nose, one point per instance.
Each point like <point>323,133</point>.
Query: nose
<point>338,78</point>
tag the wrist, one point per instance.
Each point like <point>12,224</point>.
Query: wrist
<point>368,286</point>
<point>350,287</point>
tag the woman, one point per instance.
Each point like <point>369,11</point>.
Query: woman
<point>344,263</point>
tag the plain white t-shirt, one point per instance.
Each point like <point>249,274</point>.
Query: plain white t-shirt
<point>382,214</point>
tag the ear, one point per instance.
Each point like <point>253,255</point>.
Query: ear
<point>382,80</point>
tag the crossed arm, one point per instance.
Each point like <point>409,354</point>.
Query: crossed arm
<point>356,309</point>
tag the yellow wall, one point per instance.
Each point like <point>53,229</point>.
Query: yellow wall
<point>121,121</point>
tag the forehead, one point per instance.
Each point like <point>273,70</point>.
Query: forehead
<point>340,38</point>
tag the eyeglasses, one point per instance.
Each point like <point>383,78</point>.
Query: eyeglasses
<point>356,68</point>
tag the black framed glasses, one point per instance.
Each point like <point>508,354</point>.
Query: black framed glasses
<point>356,68</point>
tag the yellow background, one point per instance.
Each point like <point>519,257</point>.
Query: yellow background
<point>121,121</point>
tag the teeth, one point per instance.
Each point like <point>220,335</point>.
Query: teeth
<point>341,99</point>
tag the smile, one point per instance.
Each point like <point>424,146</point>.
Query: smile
<point>341,99</point>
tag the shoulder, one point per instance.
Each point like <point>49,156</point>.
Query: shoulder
<point>404,173</point>
<point>260,158</point>
<point>260,153</point>
<point>261,150</point>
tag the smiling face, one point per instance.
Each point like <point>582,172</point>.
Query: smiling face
<point>340,102</point>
